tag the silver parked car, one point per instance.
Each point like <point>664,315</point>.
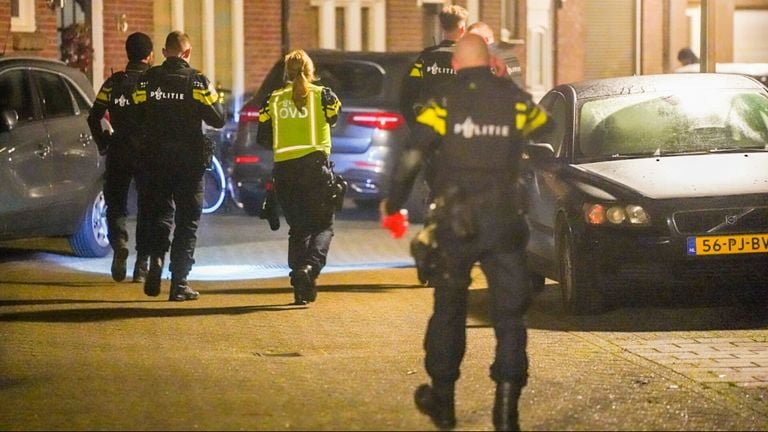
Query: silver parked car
<point>51,173</point>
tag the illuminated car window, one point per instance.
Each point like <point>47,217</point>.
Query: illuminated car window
<point>644,125</point>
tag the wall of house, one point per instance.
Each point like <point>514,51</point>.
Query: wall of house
<point>570,36</point>
<point>652,37</point>
<point>5,26</point>
<point>262,40</point>
<point>140,18</point>
<point>45,36</point>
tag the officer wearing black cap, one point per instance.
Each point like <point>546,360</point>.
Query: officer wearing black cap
<point>121,145</point>
<point>474,130</point>
<point>174,99</point>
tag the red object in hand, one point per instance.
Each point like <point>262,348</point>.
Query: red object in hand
<point>396,223</point>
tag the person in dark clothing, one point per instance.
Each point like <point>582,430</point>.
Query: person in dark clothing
<point>122,148</point>
<point>173,100</point>
<point>433,66</point>
<point>686,57</point>
<point>504,62</point>
<point>295,123</point>
<point>474,130</point>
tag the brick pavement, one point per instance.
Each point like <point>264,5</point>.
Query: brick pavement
<point>353,358</point>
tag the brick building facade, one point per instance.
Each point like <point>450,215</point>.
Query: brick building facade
<point>587,38</point>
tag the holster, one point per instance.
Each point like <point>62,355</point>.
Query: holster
<point>424,252</point>
<point>270,208</point>
<point>337,188</point>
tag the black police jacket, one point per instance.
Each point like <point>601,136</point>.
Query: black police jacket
<point>115,97</point>
<point>173,99</point>
<point>431,69</point>
<point>473,132</point>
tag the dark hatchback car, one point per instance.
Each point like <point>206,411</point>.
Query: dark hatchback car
<point>369,131</point>
<point>50,170</point>
<point>654,182</point>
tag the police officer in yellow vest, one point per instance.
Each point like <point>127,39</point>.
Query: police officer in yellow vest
<point>295,123</point>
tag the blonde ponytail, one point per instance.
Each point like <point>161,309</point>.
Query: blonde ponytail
<point>299,70</point>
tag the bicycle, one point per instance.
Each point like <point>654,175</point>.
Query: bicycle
<point>214,187</point>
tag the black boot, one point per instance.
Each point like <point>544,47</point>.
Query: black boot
<point>155,272</point>
<point>119,258</point>
<point>303,282</point>
<point>505,407</point>
<point>140,269</point>
<point>437,403</point>
<point>181,291</point>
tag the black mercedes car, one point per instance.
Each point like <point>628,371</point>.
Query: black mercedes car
<point>651,182</point>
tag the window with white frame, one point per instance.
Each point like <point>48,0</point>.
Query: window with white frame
<point>508,20</point>
<point>23,16</point>
<point>354,25</point>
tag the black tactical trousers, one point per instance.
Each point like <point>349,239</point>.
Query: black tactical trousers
<point>120,170</point>
<point>509,295</point>
<point>302,187</point>
<point>175,202</point>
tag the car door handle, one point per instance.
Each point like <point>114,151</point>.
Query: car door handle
<point>43,151</point>
<point>85,139</point>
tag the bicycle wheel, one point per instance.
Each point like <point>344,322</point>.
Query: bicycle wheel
<point>214,187</point>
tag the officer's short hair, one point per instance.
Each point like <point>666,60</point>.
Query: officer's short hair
<point>451,17</point>
<point>177,41</point>
<point>138,46</point>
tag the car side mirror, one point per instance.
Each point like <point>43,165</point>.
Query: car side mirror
<point>8,119</point>
<point>539,152</point>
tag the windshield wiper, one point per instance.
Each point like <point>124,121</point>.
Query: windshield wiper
<point>633,155</point>
<point>739,149</point>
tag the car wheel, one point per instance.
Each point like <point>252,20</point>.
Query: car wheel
<point>580,295</point>
<point>90,239</point>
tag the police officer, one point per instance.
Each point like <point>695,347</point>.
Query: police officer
<point>474,129</point>
<point>433,66</point>
<point>295,123</point>
<point>122,147</point>
<point>173,99</point>
<point>504,62</point>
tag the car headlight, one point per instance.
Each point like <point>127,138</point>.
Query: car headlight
<point>637,215</point>
<point>615,214</point>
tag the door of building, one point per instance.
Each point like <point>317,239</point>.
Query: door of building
<point>540,65</point>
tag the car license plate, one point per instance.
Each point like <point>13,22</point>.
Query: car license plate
<point>726,245</point>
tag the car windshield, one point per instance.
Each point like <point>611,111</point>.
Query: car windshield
<point>644,125</point>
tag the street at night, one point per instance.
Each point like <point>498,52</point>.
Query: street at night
<point>80,351</point>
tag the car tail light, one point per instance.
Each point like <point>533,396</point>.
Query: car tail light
<point>249,114</point>
<point>379,120</point>
<point>248,159</point>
